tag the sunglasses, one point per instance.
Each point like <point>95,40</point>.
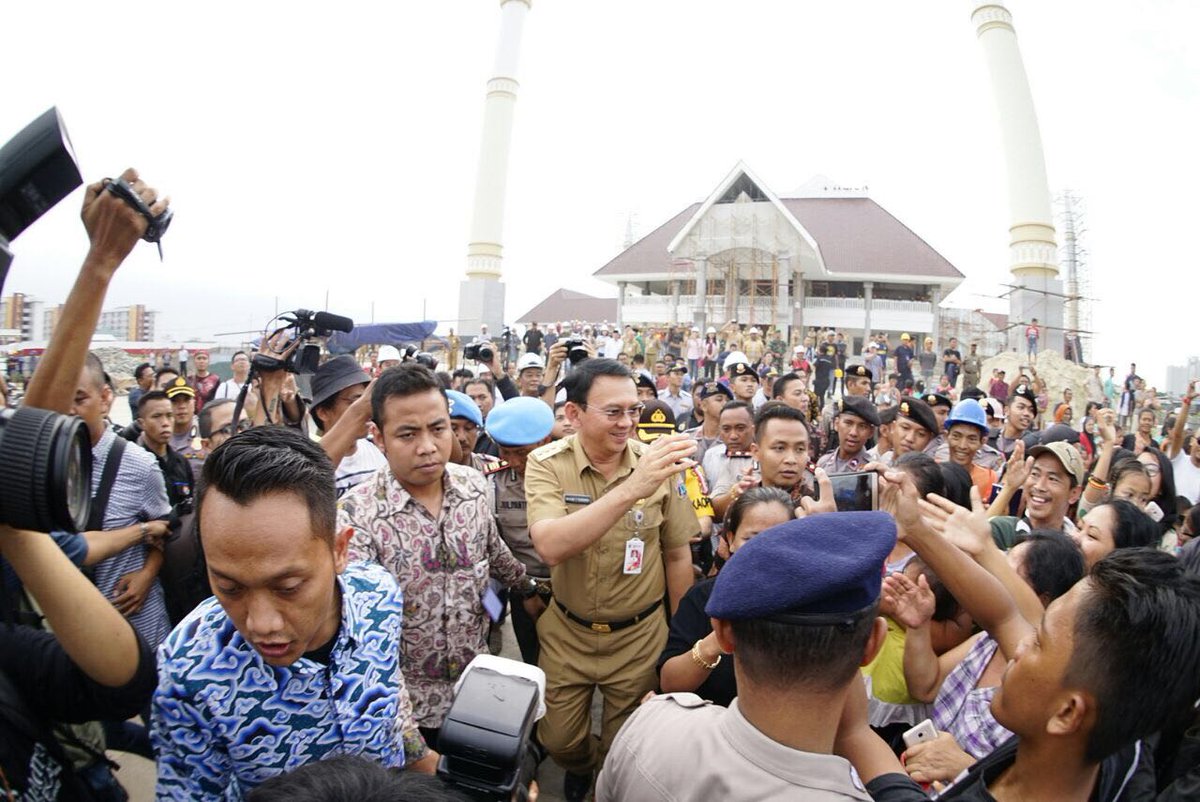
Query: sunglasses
<point>227,429</point>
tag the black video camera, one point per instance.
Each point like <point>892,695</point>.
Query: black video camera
<point>45,458</point>
<point>576,351</point>
<point>485,738</point>
<point>480,352</point>
<point>309,328</point>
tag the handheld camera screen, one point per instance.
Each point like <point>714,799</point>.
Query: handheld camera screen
<point>855,492</point>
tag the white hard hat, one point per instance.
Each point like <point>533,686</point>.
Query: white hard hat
<point>530,361</point>
<point>387,352</point>
<point>734,358</point>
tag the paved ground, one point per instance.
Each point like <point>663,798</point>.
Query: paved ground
<point>137,773</point>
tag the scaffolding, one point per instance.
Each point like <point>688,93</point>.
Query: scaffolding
<point>741,239</point>
<point>1072,256</point>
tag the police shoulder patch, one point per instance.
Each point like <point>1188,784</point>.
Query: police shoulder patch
<point>543,453</point>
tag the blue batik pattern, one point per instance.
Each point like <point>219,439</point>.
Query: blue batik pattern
<point>224,720</point>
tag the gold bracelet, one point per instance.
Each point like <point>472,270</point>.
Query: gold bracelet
<point>700,660</point>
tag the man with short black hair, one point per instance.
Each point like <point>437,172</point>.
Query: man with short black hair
<point>782,449</point>
<point>952,361</point>
<point>155,418</point>
<point>143,374</point>
<point>1020,411</point>
<point>726,464</point>
<point>798,608</point>
<point>533,340</point>
<point>423,504</point>
<point>855,426</point>
<point>678,399</point>
<point>204,383</point>
<point>1051,480</point>
<point>713,397</point>
<point>293,628</point>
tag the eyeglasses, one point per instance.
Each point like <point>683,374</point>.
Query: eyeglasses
<point>613,414</point>
<point>227,429</point>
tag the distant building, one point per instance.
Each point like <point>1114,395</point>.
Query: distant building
<point>129,323</point>
<point>827,257</point>
<point>22,313</point>
<point>1178,376</point>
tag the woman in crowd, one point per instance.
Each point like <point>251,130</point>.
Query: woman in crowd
<point>1119,524</point>
<point>1143,438</point>
<point>695,351</point>
<point>692,659</point>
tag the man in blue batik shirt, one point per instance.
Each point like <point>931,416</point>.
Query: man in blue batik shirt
<point>298,656</point>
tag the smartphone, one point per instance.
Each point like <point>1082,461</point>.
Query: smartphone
<point>855,492</point>
<point>919,734</point>
<point>1013,506</point>
<point>1154,511</point>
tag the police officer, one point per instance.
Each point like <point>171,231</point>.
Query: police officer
<point>857,381</point>
<point>808,587</point>
<point>611,518</point>
<point>915,426</point>
<point>465,421</point>
<point>518,426</point>
<point>941,405</point>
<point>855,426</point>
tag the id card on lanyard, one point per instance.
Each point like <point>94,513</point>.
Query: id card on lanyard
<point>635,547</point>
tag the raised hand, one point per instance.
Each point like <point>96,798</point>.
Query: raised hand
<point>909,603</point>
<point>969,530</point>
<point>665,457</point>
<point>1017,469</point>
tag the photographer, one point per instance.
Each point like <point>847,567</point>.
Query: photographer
<point>91,666</point>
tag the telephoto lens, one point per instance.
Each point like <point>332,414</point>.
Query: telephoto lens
<point>45,470</point>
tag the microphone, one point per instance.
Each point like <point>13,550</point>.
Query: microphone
<point>332,322</point>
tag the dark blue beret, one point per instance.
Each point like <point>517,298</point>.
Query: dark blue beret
<point>461,406</point>
<point>806,571</point>
<point>520,422</point>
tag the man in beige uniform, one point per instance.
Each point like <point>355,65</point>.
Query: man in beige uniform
<point>798,608</point>
<point>611,518</point>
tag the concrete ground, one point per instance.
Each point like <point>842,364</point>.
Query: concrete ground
<point>137,773</point>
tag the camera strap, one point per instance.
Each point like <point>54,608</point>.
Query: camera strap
<point>108,478</point>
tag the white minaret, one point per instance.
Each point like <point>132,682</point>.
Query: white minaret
<point>481,296</point>
<point>1033,252</point>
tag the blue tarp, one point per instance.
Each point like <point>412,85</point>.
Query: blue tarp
<point>380,334</point>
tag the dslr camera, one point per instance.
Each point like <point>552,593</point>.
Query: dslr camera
<point>576,352</point>
<point>45,458</point>
<point>485,739</point>
<point>480,352</point>
<point>310,328</point>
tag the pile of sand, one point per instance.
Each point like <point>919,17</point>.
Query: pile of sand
<point>1057,373</point>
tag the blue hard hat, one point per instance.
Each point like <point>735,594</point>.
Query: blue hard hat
<point>968,411</point>
<point>461,406</point>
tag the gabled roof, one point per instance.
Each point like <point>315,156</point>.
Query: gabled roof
<point>854,237</point>
<point>570,305</point>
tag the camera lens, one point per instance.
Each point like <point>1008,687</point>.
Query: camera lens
<point>45,470</point>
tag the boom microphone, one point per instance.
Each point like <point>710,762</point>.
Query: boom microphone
<point>332,322</point>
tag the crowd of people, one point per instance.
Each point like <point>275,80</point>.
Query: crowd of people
<point>1012,611</point>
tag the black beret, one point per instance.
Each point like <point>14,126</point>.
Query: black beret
<point>741,369</point>
<point>859,371</point>
<point>857,405</point>
<point>1026,392</point>
<point>642,379</point>
<point>918,412</point>
<point>937,400</point>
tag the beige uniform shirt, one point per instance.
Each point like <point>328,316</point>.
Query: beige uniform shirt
<point>509,505</point>
<point>559,480</point>
<point>679,747</point>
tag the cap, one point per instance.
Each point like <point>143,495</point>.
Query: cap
<point>937,400</point>
<point>180,387</point>
<point>461,406</point>
<point>976,393</point>
<point>710,330</point>
<point>678,367</point>
<point>1026,392</point>
<point>388,352</point>
<point>905,336</point>
<point>740,369</point>
<point>715,388</point>
<point>858,406</point>
<point>859,371</point>
<point>657,419</point>
<point>334,376</point>
<point>520,422</point>
<point>734,357</point>
<point>1065,453</point>
<point>643,379</point>
<point>968,411</point>
<point>820,570</point>
<point>754,330</point>
<point>918,412</point>
<point>1059,433</point>
<point>994,408</point>
<point>530,361</point>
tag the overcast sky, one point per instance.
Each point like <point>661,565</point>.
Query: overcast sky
<point>332,147</point>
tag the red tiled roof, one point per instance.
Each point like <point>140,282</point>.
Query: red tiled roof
<point>570,305</point>
<point>855,235</point>
<point>997,320</point>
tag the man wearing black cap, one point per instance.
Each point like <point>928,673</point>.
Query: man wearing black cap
<point>713,397</point>
<point>339,391</point>
<point>1020,410</point>
<point>743,381</point>
<point>797,607</point>
<point>678,399</point>
<point>858,383</point>
<point>855,426</point>
<point>647,389</point>
<point>941,405</point>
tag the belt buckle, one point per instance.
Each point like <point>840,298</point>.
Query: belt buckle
<point>598,627</point>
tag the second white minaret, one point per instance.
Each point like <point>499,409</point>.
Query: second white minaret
<point>1033,250</point>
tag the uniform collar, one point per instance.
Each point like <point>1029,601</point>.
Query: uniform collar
<point>627,464</point>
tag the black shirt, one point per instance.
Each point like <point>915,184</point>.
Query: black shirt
<point>689,624</point>
<point>177,474</point>
<point>533,341</point>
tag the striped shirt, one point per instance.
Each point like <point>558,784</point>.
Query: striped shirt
<point>138,495</point>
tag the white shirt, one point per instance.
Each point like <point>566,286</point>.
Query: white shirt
<point>358,467</point>
<point>229,389</point>
<point>183,355</point>
<point>1187,477</point>
<point>612,347</point>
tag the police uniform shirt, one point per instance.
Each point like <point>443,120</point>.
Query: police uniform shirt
<point>678,746</point>
<point>559,480</point>
<point>729,469</point>
<point>833,463</point>
<point>935,444</point>
<point>509,506</point>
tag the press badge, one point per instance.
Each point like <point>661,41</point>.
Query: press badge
<point>634,548</point>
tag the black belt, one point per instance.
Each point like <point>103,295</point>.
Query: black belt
<point>611,626</point>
